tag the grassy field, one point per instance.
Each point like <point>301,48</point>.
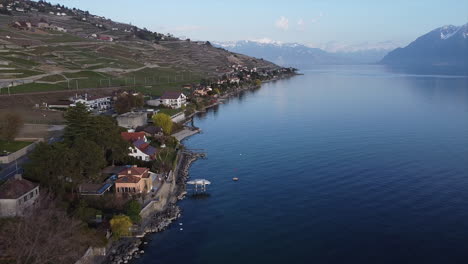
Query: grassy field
<point>12,146</point>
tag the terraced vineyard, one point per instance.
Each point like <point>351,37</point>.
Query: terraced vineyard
<point>39,66</point>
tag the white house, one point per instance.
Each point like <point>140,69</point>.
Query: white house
<point>18,197</point>
<point>93,102</point>
<point>140,149</point>
<point>173,99</point>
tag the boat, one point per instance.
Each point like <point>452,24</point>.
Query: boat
<point>235,179</point>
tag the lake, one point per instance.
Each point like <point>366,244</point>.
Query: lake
<point>344,164</point>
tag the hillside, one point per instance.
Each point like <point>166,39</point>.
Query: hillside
<point>444,48</point>
<point>52,48</point>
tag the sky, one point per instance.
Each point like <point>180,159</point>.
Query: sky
<point>312,22</point>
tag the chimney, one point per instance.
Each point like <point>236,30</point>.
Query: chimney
<point>18,177</point>
<point>129,172</point>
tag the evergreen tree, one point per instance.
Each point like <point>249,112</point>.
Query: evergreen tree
<point>78,122</point>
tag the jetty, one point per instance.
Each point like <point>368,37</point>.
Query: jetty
<point>200,184</point>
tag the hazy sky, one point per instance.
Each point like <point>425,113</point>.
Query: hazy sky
<point>311,22</point>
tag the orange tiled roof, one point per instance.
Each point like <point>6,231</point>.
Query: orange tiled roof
<point>128,179</point>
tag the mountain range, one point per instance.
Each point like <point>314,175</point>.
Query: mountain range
<point>444,47</point>
<point>301,56</point>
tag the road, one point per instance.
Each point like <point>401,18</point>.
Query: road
<point>12,168</point>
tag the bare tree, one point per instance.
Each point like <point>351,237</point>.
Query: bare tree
<point>47,235</point>
<point>10,126</point>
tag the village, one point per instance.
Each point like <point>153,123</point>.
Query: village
<point>124,163</point>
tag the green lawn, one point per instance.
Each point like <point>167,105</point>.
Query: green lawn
<point>169,111</point>
<point>12,146</point>
<point>52,78</point>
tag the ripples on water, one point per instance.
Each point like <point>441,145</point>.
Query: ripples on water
<point>341,165</point>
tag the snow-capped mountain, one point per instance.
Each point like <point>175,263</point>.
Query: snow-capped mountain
<point>340,47</point>
<point>446,46</point>
<point>300,55</point>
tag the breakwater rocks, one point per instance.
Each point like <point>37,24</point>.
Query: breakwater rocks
<point>188,157</point>
<point>127,249</point>
<point>159,221</point>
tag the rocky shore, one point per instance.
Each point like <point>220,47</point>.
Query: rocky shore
<point>127,249</point>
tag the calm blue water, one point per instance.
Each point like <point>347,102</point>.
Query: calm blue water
<point>348,164</point>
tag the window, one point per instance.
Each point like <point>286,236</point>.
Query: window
<point>25,198</point>
<point>134,190</point>
<point>31,195</point>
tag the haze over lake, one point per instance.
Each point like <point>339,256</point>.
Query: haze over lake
<point>344,164</point>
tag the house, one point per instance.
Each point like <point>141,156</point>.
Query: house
<point>105,38</point>
<point>44,25</point>
<point>173,99</point>
<point>18,197</point>
<point>134,180</point>
<point>150,131</point>
<point>202,91</point>
<point>22,25</point>
<point>133,136</point>
<point>60,29</point>
<point>132,120</point>
<point>92,102</point>
<point>141,148</point>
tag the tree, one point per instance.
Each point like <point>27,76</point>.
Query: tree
<point>126,102</point>
<point>51,165</point>
<point>10,126</point>
<point>106,133</point>
<point>164,160</point>
<point>164,121</point>
<point>258,82</point>
<point>78,122</point>
<point>120,225</point>
<point>48,235</point>
<point>89,158</point>
<point>132,209</point>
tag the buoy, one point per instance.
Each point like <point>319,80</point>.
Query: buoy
<point>235,179</point>
<point>181,229</point>
<point>180,223</point>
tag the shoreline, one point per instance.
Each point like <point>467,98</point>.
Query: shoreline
<point>129,248</point>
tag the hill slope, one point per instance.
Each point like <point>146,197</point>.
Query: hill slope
<point>444,47</point>
<point>50,47</point>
